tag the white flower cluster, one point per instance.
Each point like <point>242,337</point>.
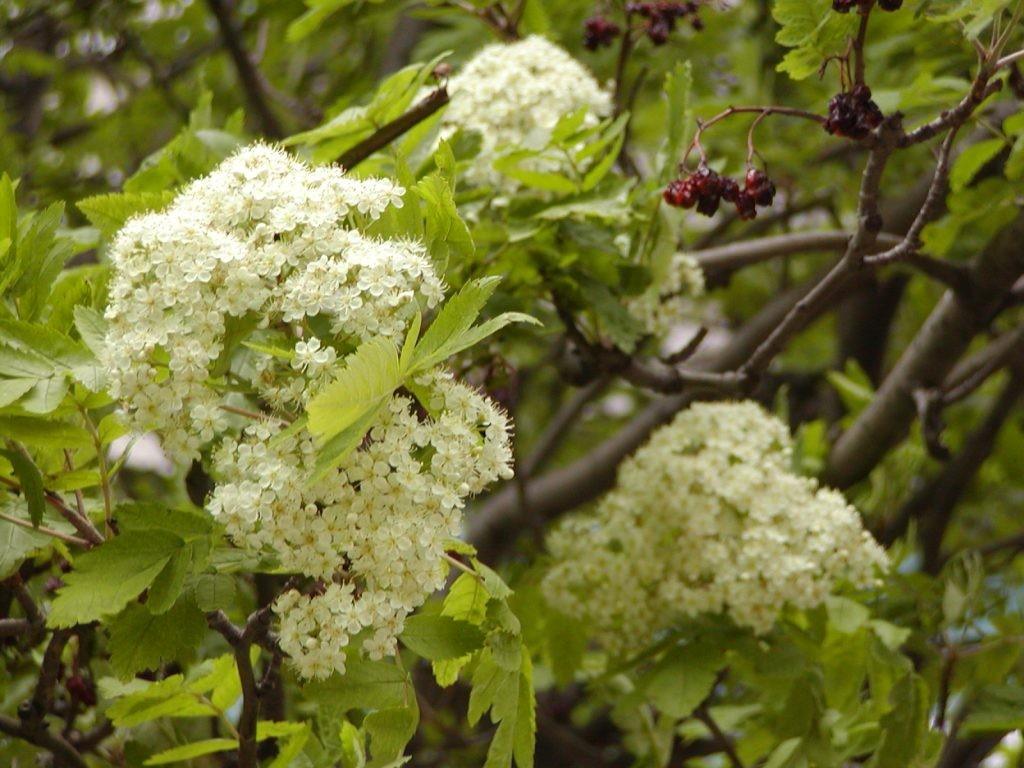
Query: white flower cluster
<point>707,517</point>
<point>270,249</point>
<point>264,241</point>
<point>664,304</point>
<point>513,94</point>
<point>373,532</point>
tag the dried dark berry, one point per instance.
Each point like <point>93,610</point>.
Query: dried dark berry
<point>760,187</point>
<point>82,689</point>
<point>680,194</point>
<point>746,206</point>
<point>730,190</point>
<point>599,31</point>
<point>853,114</point>
<point>890,5</point>
<point>844,6</point>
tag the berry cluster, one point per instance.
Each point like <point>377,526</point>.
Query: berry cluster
<point>662,17</point>
<point>599,31</point>
<point>705,189</point>
<point>853,114</point>
<point>845,6</point>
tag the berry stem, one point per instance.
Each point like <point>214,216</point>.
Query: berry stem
<point>761,111</point>
<point>858,46</point>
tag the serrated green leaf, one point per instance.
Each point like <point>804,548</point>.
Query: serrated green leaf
<point>683,678</point>
<point>31,482</point>
<point>446,234</point>
<point>369,376</point>
<point>106,578</point>
<point>438,637</point>
<point>17,543</point>
<point>678,84</point>
<point>213,591</point>
<point>366,684</point>
<point>971,160</point>
<point>187,752</point>
<point>92,328</point>
<point>109,212</point>
<point>389,731</point>
<point>141,640</point>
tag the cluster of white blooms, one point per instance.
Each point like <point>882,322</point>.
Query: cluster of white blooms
<point>270,249</point>
<point>263,241</point>
<point>512,95</point>
<point>664,304</point>
<point>707,517</point>
<point>375,530</point>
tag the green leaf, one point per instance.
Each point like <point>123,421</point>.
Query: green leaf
<point>141,640</point>
<point>189,751</point>
<point>143,702</point>
<point>390,730</point>
<point>106,578</point>
<point>447,236</point>
<point>846,615</point>
<point>31,483</point>
<point>813,30</point>
<point>18,543</point>
<point>440,637</point>
<point>44,433</point>
<point>92,327</point>
<point>466,600</point>
<point>544,180</point>
<point>678,85</point>
<point>366,684</point>
<point>683,678</point>
<point>452,330</point>
<point>213,591</point>
<point>168,583</point>
<point>905,725</point>
<point>150,516</point>
<point>782,756</point>
<point>369,377</point>
<point>109,212</point>
<point>971,160</point>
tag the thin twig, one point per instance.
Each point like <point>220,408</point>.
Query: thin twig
<point>721,738</point>
<point>66,537</point>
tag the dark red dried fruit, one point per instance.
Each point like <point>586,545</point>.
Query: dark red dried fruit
<point>853,114</point>
<point>746,206</point>
<point>599,31</point>
<point>82,689</point>
<point>760,187</point>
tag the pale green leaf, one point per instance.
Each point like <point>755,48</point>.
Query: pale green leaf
<point>189,751</point>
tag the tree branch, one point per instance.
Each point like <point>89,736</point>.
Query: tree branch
<point>718,263</point>
<point>928,359</point>
<point>397,127</point>
<point>248,75</point>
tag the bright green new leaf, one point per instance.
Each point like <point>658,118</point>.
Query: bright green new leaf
<point>369,377</point>
<point>187,752</point>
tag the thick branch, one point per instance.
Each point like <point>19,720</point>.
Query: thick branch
<point>719,262</point>
<point>929,358</point>
<point>935,503</point>
<point>397,127</point>
<point>63,752</point>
